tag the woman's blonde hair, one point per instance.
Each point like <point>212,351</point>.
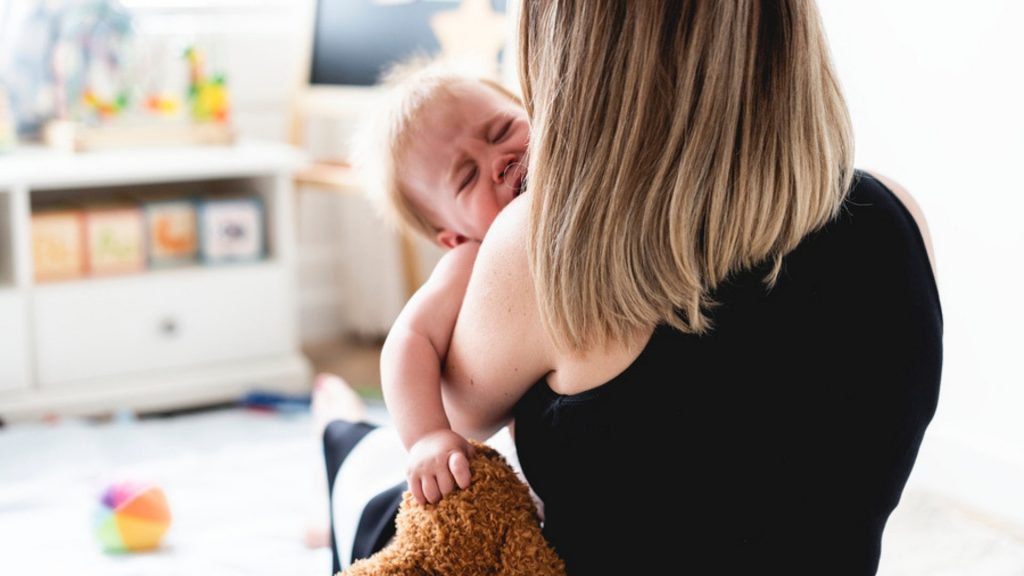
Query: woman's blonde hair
<point>674,143</point>
<point>409,87</point>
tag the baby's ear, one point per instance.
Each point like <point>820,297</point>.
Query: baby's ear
<point>449,239</point>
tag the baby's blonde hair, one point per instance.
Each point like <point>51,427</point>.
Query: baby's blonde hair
<point>410,86</point>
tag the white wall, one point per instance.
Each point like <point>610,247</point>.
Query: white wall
<point>936,90</point>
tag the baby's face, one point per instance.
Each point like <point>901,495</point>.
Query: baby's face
<point>465,161</point>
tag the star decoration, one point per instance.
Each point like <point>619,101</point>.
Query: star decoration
<point>471,36</point>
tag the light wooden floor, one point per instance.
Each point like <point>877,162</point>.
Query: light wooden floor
<point>355,360</point>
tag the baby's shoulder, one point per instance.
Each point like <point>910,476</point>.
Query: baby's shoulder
<point>460,257</point>
<point>455,267</point>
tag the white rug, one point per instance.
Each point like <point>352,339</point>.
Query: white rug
<point>244,486</point>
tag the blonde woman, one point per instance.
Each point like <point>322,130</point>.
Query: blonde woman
<point>721,344</point>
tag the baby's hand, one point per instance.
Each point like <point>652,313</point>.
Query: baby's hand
<point>438,462</point>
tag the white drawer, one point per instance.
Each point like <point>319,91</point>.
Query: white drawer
<point>13,342</point>
<point>162,320</point>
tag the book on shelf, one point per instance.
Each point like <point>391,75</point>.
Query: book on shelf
<point>114,239</point>
<point>118,237</point>
<point>172,233</point>
<point>231,229</point>
<point>58,244</point>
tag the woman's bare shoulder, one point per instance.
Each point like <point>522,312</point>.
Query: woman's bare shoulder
<point>501,290</point>
<point>499,347</point>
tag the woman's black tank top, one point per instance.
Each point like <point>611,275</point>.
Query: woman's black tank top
<point>778,443</point>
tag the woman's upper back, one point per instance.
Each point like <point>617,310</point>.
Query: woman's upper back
<point>781,439</point>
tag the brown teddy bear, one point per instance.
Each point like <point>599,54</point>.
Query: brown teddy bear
<point>491,527</point>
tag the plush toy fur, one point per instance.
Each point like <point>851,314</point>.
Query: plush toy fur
<point>491,527</point>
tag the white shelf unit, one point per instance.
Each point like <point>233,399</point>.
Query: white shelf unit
<point>14,366</point>
<point>161,338</point>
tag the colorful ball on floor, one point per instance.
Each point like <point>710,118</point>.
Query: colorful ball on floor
<point>132,517</point>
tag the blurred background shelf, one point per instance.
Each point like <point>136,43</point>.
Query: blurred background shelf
<point>151,339</point>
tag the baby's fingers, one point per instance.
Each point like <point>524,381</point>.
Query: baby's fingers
<point>416,487</point>
<point>430,490</point>
<point>459,466</point>
<point>445,483</point>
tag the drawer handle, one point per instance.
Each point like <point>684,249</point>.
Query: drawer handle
<point>169,327</point>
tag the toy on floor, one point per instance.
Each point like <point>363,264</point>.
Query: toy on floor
<point>261,401</point>
<point>132,517</point>
<point>491,527</point>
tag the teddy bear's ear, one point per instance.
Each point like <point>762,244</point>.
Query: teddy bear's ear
<point>525,551</point>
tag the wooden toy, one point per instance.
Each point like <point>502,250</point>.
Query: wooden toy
<point>57,245</point>
<point>231,229</point>
<point>114,240</point>
<point>172,236</point>
<point>208,94</point>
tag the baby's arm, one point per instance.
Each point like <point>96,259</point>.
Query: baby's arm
<point>411,363</point>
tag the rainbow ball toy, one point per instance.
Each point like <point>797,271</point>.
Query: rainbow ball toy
<point>132,517</point>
